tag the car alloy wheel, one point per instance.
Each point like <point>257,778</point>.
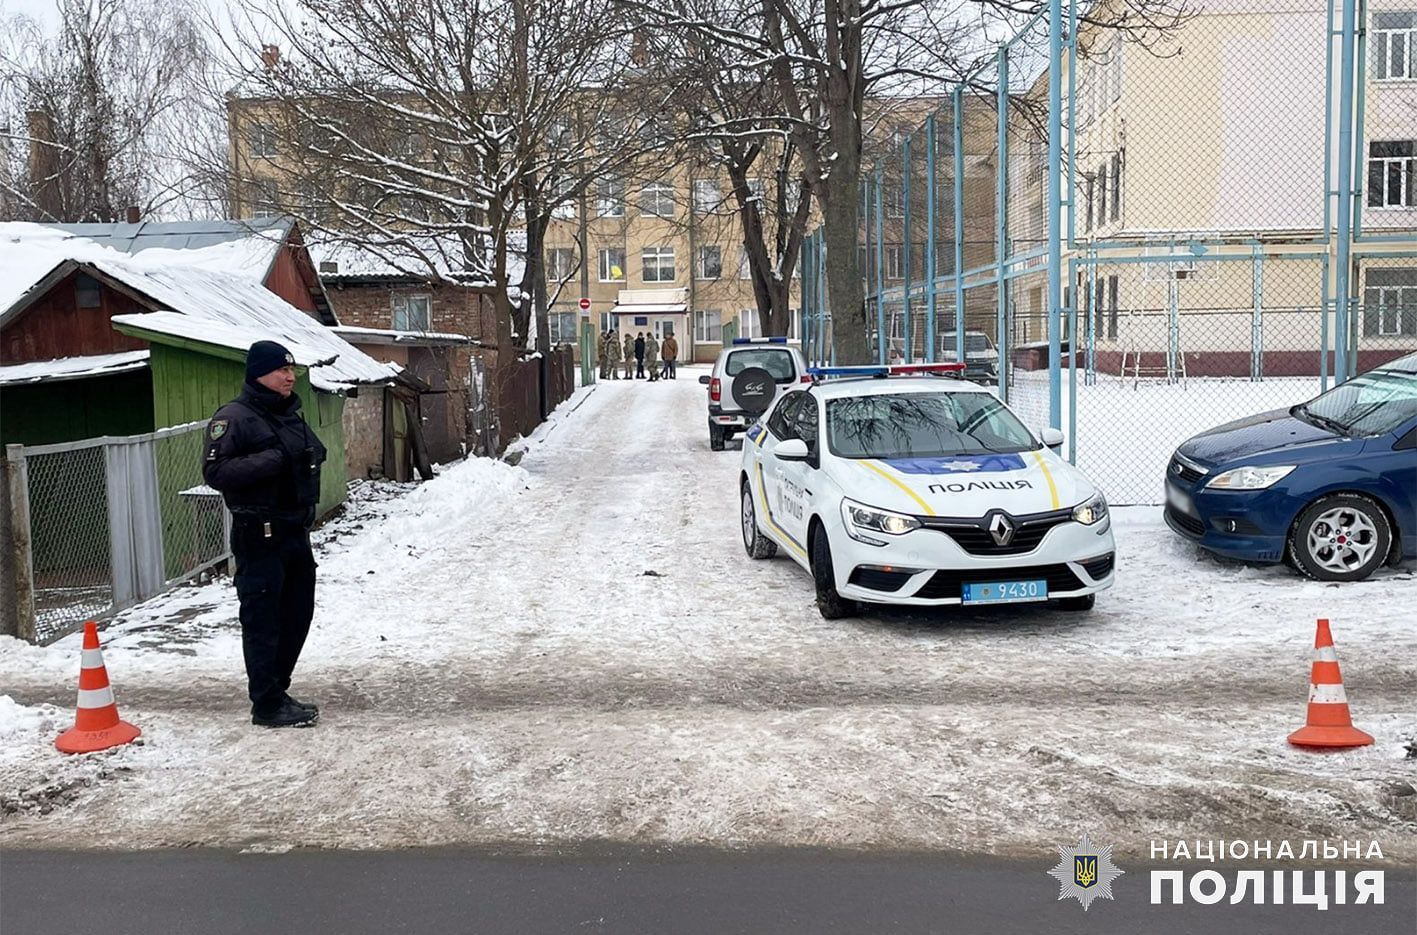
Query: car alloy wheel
<point>1340,538</point>
<point>755,543</point>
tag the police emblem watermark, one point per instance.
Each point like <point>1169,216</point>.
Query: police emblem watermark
<point>1085,872</point>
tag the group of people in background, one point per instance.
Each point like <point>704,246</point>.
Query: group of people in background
<point>640,355</point>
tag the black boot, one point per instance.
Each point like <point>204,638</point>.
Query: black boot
<point>308,706</point>
<point>289,714</point>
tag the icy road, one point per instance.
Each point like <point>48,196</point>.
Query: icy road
<point>577,649</point>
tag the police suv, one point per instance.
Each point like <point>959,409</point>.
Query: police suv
<point>747,377</point>
<point>899,485</point>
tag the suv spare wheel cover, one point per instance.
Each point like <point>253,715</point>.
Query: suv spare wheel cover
<point>754,390</point>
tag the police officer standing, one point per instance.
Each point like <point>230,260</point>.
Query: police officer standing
<point>265,460</point>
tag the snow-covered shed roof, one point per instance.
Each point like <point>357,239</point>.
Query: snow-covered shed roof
<point>72,368</point>
<point>348,260</point>
<point>248,247</point>
<point>221,308</point>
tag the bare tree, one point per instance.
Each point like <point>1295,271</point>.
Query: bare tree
<point>95,117</point>
<point>430,132</point>
<point>827,58</point>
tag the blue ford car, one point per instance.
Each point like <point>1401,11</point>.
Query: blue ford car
<point>1329,486</point>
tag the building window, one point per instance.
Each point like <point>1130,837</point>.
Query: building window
<point>560,264</point>
<point>610,198</point>
<point>708,326</point>
<point>894,261</point>
<point>745,269</point>
<point>658,263</point>
<point>707,196</point>
<point>412,312</point>
<point>756,190</point>
<point>261,141</point>
<point>1116,66</point>
<point>1390,302</point>
<point>894,198</point>
<point>264,199</point>
<point>657,199</point>
<point>562,326</point>
<point>1392,174</point>
<point>1116,187</point>
<point>612,264</point>
<point>1090,187</point>
<point>1102,184</point>
<point>749,323</point>
<point>710,265</point>
<point>87,292</point>
<point>1392,38</point>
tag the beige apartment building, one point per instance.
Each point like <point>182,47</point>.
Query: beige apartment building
<point>1209,149</point>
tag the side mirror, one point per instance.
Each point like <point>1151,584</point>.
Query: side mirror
<point>1052,438</point>
<point>794,449</point>
<point>704,381</point>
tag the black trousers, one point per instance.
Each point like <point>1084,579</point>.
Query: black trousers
<point>639,368</point>
<point>669,369</point>
<point>275,580</point>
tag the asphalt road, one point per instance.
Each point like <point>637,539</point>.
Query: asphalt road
<point>610,890</point>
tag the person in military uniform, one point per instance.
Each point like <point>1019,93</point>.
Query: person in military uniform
<point>612,354</point>
<point>629,356</point>
<point>265,460</point>
<point>652,356</point>
<point>670,352</point>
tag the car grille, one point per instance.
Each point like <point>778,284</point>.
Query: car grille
<point>1186,523</point>
<point>949,583</point>
<point>878,580</point>
<point>1099,568</point>
<point>973,535</point>
<point>1184,471</point>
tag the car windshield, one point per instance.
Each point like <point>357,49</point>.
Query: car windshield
<point>923,425</point>
<point>1372,403</point>
<point>774,360</point>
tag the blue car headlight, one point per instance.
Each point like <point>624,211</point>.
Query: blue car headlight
<point>1250,478</point>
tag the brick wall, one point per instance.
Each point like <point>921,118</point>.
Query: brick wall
<point>455,309</point>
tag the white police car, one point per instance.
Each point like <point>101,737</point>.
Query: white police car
<point>749,374</point>
<point>893,486</point>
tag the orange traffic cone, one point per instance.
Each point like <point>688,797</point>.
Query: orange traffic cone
<point>1329,723</point>
<point>96,726</point>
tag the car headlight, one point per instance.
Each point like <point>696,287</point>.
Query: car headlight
<point>1250,478</point>
<point>1092,511</point>
<point>861,520</point>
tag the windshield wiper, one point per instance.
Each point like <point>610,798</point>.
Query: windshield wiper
<point>1324,422</point>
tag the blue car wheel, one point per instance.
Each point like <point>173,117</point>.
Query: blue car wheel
<point>1341,537</point>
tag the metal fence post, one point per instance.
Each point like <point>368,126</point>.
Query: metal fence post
<point>958,129</point>
<point>931,287</point>
<point>1001,208</point>
<point>21,557</point>
<point>1345,191</point>
<point>906,246</point>
<point>882,336</point>
<point>1055,211</point>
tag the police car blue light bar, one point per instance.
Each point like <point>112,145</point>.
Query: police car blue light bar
<point>878,370</point>
<point>759,340</point>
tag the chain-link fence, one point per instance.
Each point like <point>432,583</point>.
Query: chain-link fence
<point>109,522</point>
<point>1136,232</point>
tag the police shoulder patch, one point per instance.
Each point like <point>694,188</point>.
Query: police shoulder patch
<point>217,429</point>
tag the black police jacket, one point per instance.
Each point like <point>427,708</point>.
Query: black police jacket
<point>263,457</point>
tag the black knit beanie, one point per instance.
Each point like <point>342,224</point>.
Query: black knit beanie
<point>265,356</point>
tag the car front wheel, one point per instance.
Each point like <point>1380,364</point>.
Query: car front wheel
<point>831,604</point>
<point>756,544</point>
<point>1341,537</point>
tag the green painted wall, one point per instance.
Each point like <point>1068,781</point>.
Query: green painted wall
<point>70,410</point>
<point>189,385</point>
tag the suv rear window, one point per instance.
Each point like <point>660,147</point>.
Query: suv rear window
<point>774,360</point>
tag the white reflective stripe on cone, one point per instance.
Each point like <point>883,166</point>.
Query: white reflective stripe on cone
<point>1325,654</point>
<point>1327,694</point>
<point>92,659</point>
<point>96,697</point>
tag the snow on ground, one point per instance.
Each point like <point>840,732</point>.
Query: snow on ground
<point>1126,430</point>
<point>576,648</point>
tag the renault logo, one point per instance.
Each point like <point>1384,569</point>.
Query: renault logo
<point>1001,529</point>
